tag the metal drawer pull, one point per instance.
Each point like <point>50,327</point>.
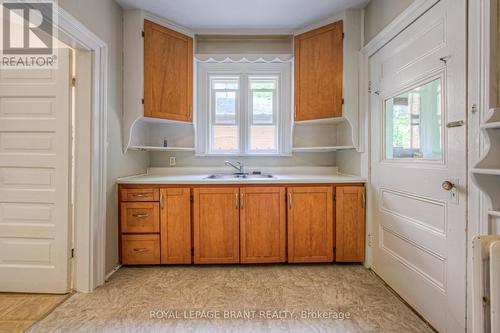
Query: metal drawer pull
<point>141,195</point>
<point>140,216</point>
<point>457,123</point>
<point>142,249</point>
<point>290,199</point>
<point>236,200</point>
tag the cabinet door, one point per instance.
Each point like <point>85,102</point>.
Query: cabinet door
<point>310,224</point>
<point>168,73</point>
<point>216,225</point>
<point>318,73</point>
<point>263,224</point>
<point>175,221</point>
<point>350,224</point>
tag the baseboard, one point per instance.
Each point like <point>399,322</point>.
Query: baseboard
<point>113,271</point>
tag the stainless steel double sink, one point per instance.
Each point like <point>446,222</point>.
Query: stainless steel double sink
<point>241,176</point>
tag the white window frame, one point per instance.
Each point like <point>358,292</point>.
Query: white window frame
<point>207,71</point>
<point>211,111</point>
<point>276,113</point>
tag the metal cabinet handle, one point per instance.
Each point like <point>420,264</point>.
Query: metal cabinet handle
<point>290,200</point>
<point>141,249</point>
<point>236,200</point>
<point>141,195</point>
<point>140,216</point>
<point>161,200</point>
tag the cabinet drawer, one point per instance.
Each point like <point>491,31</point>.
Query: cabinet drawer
<point>140,217</point>
<point>139,194</point>
<point>140,249</point>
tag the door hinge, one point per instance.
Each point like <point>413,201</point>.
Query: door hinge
<point>342,101</point>
<point>370,240</point>
<point>142,33</point>
<point>73,81</point>
<point>343,35</point>
<point>370,87</point>
<point>142,100</point>
<point>72,253</point>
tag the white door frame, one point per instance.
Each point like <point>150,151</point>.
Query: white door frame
<point>90,204</point>
<point>482,95</point>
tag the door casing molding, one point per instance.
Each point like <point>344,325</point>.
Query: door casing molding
<point>90,224</point>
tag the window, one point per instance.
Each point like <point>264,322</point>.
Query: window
<point>262,115</point>
<point>243,109</point>
<point>258,132</point>
<point>224,115</point>
<point>413,125</point>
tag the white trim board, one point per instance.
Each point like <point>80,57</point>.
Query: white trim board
<point>90,234</point>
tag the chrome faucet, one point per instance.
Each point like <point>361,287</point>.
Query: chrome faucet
<point>238,167</point>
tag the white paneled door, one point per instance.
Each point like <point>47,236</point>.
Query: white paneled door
<point>419,164</point>
<point>35,144</point>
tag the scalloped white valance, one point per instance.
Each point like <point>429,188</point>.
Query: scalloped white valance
<point>242,58</point>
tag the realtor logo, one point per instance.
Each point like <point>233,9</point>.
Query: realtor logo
<point>27,34</point>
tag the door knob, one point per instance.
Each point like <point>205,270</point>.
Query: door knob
<point>447,185</point>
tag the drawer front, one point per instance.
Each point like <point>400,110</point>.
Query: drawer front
<point>140,249</point>
<point>140,194</point>
<point>140,217</point>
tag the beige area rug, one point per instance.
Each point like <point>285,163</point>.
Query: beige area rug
<point>19,311</point>
<point>253,298</point>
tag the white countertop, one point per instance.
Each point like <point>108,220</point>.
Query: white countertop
<point>283,175</point>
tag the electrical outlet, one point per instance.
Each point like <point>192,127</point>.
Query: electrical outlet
<point>172,161</point>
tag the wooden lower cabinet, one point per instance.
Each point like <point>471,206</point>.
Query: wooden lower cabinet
<point>216,225</point>
<point>350,224</point>
<point>262,224</point>
<point>175,221</point>
<point>310,224</point>
<point>246,224</point>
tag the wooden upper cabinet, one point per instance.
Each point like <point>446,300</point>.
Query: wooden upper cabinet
<point>318,73</point>
<point>216,225</point>
<point>175,222</point>
<point>168,73</point>
<point>350,224</point>
<point>310,224</point>
<point>262,224</point>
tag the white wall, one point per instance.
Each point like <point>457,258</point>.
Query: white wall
<point>379,13</point>
<point>104,18</point>
<point>189,159</point>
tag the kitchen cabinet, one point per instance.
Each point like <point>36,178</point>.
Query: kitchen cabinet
<point>241,223</point>
<point>175,221</point>
<point>262,224</point>
<point>310,224</point>
<point>350,224</point>
<point>318,73</point>
<point>168,73</point>
<point>216,225</point>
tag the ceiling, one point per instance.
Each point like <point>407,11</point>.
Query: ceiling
<point>243,16</point>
